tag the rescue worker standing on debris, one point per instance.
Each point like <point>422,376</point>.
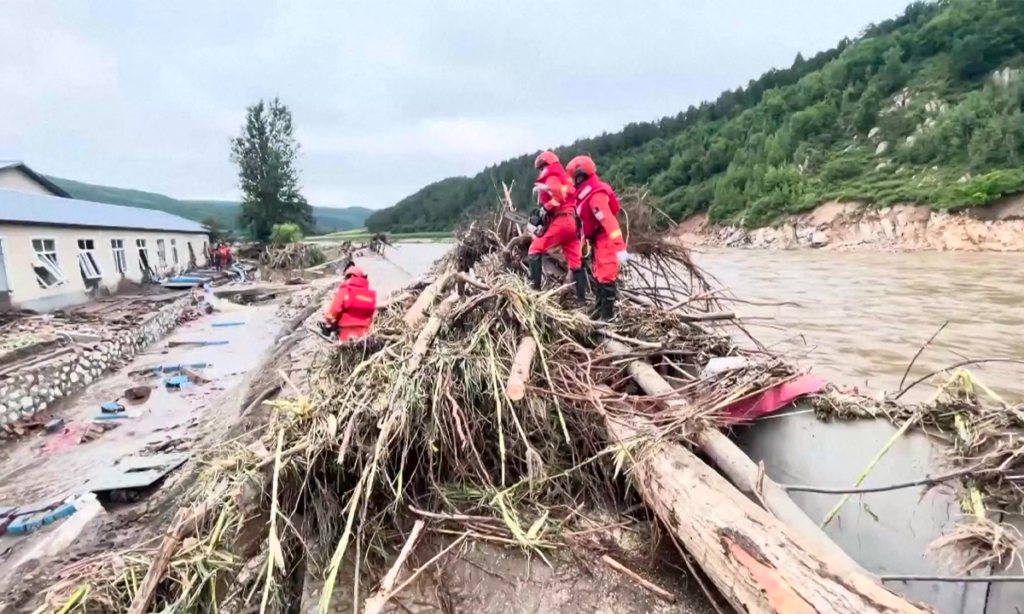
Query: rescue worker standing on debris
<point>597,207</point>
<point>354,305</point>
<point>557,199</point>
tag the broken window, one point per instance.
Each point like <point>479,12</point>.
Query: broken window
<point>191,256</point>
<point>161,253</point>
<point>143,256</point>
<point>46,265</point>
<point>174,251</point>
<point>88,261</point>
<point>120,262</point>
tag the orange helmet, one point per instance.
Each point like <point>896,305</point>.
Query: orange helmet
<point>354,271</point>
<point>548,157</point>
<point>581,165</point>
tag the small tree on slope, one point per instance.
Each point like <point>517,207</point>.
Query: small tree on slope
<point>265,153</point>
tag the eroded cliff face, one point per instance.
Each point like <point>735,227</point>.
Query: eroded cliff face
<point>853,225</point>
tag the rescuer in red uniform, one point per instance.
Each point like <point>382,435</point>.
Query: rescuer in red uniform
<point>557,198</point>
<point>597,207</point>
<point>354,305</point>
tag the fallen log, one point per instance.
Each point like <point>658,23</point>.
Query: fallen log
<point>426,298</point>
<point>515,387</point>
<point>737,466</point>
<point>760,565</point>
<point>430,330</point>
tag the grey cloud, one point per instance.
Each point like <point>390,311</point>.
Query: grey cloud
<point>387,96</point>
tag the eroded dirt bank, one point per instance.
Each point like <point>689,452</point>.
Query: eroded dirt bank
<point>854,225</point>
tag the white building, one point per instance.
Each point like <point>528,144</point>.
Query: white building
<point>57,251</point>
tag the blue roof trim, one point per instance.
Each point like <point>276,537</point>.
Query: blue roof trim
<point>39,209</point>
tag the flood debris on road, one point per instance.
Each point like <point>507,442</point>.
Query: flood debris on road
<point>415,423</point>
<point>494,416</point>
<point>48,358</point>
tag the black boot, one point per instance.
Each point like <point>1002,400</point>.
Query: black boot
<point>608,306</point>
<point>598,302</point>
<point>580,277</point>
<point>536,269</point>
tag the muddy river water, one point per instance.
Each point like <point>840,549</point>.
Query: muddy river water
<point>861,316</point>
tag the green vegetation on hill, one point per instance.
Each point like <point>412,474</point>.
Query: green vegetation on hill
<point>924,108</point>
<point>223,212</point>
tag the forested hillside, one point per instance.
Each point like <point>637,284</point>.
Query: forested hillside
<point>924,108</point>
<point>224,213</point>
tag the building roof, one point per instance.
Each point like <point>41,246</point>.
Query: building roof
<point>42,210</point>
<point>39,178</point>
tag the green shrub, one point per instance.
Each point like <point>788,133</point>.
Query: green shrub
<point>285,233</point>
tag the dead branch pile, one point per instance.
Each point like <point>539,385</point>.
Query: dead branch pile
<point>291,256</point>
<point>485,408</point>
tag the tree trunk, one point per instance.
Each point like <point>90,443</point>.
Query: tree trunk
<point>738,467</point>
<point>760,565</point>
<point>426,298</point>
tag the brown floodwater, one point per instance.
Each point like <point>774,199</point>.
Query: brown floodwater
<point>861,316</point>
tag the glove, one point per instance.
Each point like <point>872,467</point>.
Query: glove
<point>622,257</point>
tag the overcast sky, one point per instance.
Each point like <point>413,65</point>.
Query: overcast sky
<point>386,96</point>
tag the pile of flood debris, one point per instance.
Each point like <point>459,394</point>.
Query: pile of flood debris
<point>99,318</point>
<point>983,437</point>
<point>481,410</point>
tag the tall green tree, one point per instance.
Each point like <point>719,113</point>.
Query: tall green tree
<point>266,153</point>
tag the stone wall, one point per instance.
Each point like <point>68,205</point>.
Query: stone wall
<point>41,386</point>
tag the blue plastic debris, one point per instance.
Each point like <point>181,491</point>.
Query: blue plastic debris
<point>176,382</point>
<point>223,324</point>
<point>112,417</point>
<point>112,407</point>
<point>25,524</point>
<point>176,368</point>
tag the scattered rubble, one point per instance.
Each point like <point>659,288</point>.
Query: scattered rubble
<point>73,348</point>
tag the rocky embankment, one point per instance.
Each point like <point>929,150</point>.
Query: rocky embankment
<point>854,225</point>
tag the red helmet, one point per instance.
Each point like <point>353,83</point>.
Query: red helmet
<point>354,271</point>
<point>581,164</point>
<point>548,157</point>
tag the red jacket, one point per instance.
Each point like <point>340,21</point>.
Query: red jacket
<point>557,193</point>
<point>353,307</point>
<point>597,208</point>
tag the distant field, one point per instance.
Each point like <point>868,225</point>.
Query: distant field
<point>357,235</point>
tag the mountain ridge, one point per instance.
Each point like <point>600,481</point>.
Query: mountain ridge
<point>925,108</point>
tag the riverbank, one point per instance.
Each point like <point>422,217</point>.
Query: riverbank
<point>853,225</point>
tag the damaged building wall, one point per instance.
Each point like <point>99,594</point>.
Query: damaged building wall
<point>25,292</point>
<point>36,387</point>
